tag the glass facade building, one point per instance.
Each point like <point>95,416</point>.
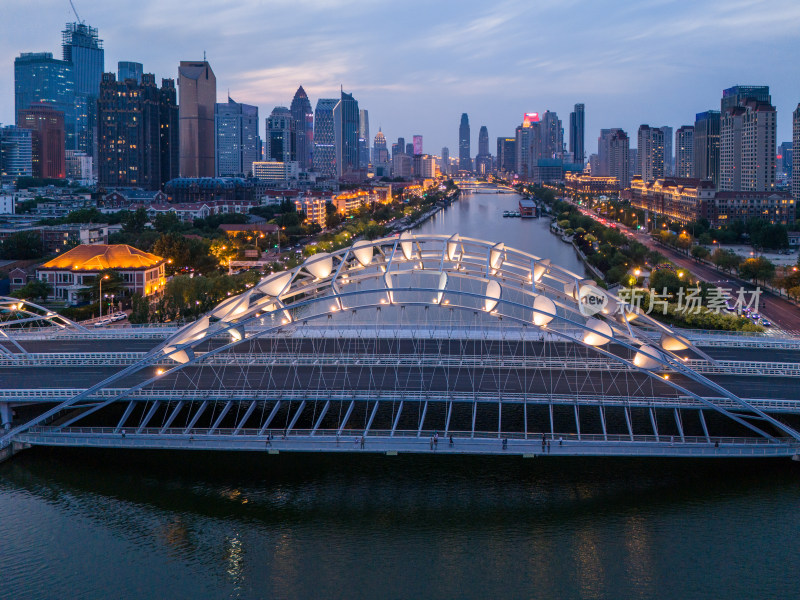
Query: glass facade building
<point>238,143</point>
<point>325,138</point>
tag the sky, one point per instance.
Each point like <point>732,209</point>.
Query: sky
<point>417,65</point>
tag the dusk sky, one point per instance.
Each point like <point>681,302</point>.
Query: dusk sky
<point>416,66</point>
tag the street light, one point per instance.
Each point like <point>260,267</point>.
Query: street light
<point>100,298</point>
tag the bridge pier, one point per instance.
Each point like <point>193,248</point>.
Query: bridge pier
<point>5,415</point>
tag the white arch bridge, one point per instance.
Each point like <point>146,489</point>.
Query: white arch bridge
<point>404,344</point>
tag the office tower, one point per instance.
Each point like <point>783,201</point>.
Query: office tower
<point>131,120</point>
<point>784,159</point>
<point>747,144</point>
<point>738,94</point>
<point>16,153</point>
<point>129,70</point>
<point>576,134</point>
<point>618,158</point>
<point>464,157</point>
<point>552,136</point>
<point>325,162</point>
<point>603,151</point>
<point>303,129</point>
<point>346,124</point>
<point>634,166</point>
<point>483,161</point>
<point>506,154</point>
<point>668,133</point>
<point>410,149</point>
<point>796,155</point>
<point>237,144</point>
<point>38,77</point>
<point>395,149</point>
<point>684,151</point>
<point>281,137</point>
<point>651,152</point>
<point>82,47</point>
<point>198,99</point>
<point>79,166</point>
<point>706,146</point>
<point>169,140</point>
<point>47,139</point>
<point>380,154</point>
<point>444,166</point>
<point>363,139</point>
<point>528,145</point>
<point>417,144</point>
<point>401,146</point>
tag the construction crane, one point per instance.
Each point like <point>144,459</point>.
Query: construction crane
<point>76,12</point>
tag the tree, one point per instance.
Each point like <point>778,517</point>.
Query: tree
<point>700,252</point>
<point>726,259</point>
<point>112,284</point>
<point>135,221</point>
<point>175,248</point>
<point>664,278</point>
<point>167,223</point>
<point>22,245</point>
<point>35,288</point>
<point>757,269</point>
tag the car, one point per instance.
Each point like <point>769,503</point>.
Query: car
<point>766,323</point>
<point>755,316</point>
<point>118,316</point>
<point>102,323</point>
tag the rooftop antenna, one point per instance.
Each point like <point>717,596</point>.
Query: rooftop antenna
<point>76,12</point>
<point>204,52</point>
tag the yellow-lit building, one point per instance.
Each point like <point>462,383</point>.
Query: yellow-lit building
<point>582,183</point>
<point>348,203</point>
<point>314,208</point>
<point>75,270</point>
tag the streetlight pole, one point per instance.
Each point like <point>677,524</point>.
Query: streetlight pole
<point>100,297</point>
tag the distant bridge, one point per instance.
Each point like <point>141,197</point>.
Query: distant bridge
<point>397,346</point>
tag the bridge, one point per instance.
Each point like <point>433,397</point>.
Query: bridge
<point>410,344</point>
<point>484,187</point>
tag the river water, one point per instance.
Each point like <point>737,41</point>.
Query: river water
<point>112,524</point>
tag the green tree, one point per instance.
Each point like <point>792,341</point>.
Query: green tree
<point>664,278</point>
<point>135,221</point>
<point>167,223</point>
<point>700,252</point>
<point>757,269</point>
<point>22,245</point>
<point>35,288</point>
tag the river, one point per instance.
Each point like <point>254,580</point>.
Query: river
<point>113,524</point>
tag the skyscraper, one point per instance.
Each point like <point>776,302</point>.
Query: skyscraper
<point>528,145</point>
<point>281,139</point>
<point>16,153</point>
<point>346,120</point>
<point>303,129</point>
<point>444,165</point>
<point>464,157</point>
<point>129,70</point>
<point>38,77</point>
<point>82,47</point>
<point>651,152</point>
<point>618,158</point>
<point>380,153</point>
<point>417,144</point>
<point>483,161</point>
<point>47,126</point>
<point>131,141</point>
<point>684,151</point>
<point>706,146</point>
<point>796,154</point>
<point>168,124</point>
<point>237,144</point>
<point>552,136</point>
<point>198,99</point>
<point>401,146</point>
<point>603,168</point>
<point>506,154</point>
<point>325,162</point>
<point>668,133</point>
<point>576,134</point>
<point>747,140</point>
<point>363,139</point>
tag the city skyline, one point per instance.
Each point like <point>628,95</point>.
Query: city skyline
<point>549,71</point>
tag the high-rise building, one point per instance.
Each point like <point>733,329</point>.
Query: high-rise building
<point>16,153</point>
<point>651,152</point>
<point>79,166</point>
<point>380,154</point>
<point>82,47</point>
<point>576,134</point>
<point>47,125</point>
<point>747,142</point>
<point>129,70</point>
<point>363,138</point>
<point>783,162</point>
<point>603,152</point>
<point>410,149</point>
<point>417,144</point>
<point>237,144</point>
<point>132,146</point>
<point>552,136</point>
<point>38,77</point>
<point>483,161</point>
<point>528,145</point>
<point>198,100</point>
<point>618,158</point>
<point>444,165</point>
<point>706,146</point>
<point>168,126</point>
<point>684,151</point>
<point>325,160</point>
<point>303,129</point>
<point>739,94</point>
<point>634,165</point>
<point>796,155</point>
<point>401,146</point>
<point>668,133</point>
<point>346,120</point>
<point>506,154</point>
<point>281,137</point>
<point>464,156</point>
